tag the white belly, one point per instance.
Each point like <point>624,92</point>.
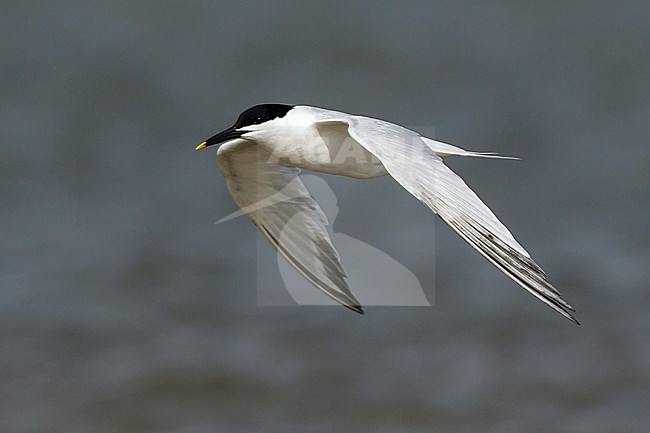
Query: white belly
<point>325,149</point>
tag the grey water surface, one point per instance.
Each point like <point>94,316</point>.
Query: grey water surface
<point>123,308</point>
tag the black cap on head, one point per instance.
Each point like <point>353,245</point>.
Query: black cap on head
<point>261,113</point>
<point>253,116</point>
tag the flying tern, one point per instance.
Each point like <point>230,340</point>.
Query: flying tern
<point>262,154</point>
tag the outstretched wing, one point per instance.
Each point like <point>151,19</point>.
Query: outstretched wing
<point>415,165</point>
<point>273,196</point>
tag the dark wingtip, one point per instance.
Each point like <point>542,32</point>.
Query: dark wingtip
<point>356,308</point>
<point>573,319</point>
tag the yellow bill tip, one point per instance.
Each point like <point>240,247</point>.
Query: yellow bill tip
<point>200,146</point>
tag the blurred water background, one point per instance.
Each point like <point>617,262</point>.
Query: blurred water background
<point>123,308</point>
